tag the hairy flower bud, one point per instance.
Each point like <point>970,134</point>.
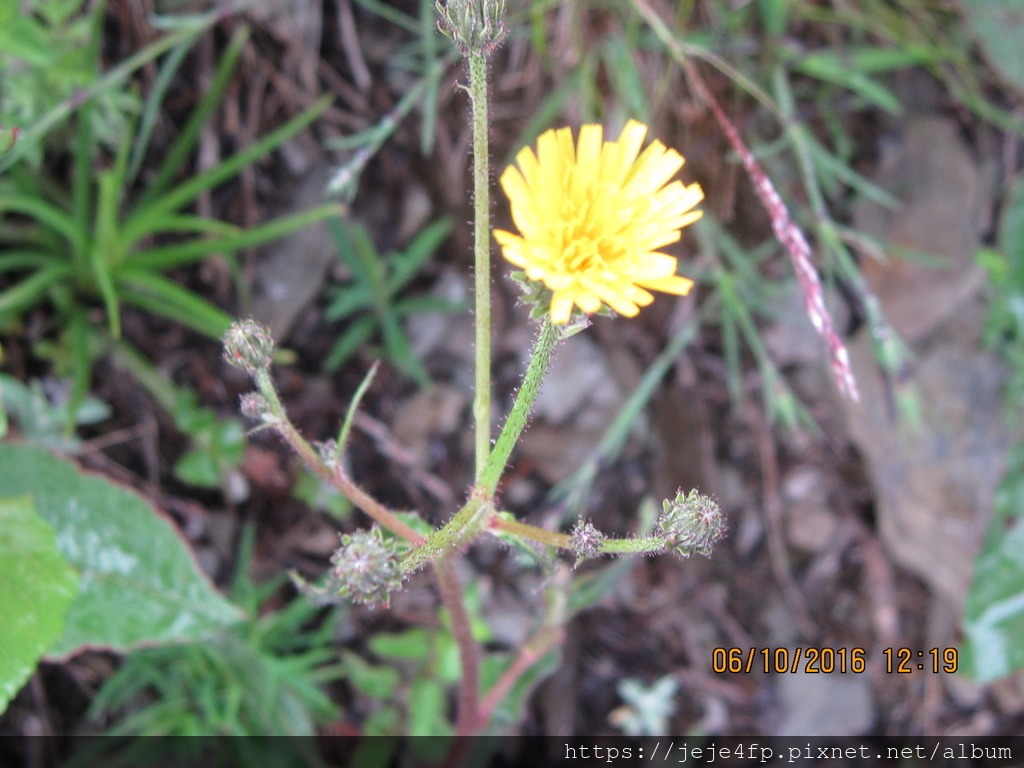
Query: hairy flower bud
<point>691,523</point>
<point>473,25</point>
<point>248,345</point>
<point>367,568</point>
<point>254,406</point>
<point>328,452</point>
<point>586,541</point>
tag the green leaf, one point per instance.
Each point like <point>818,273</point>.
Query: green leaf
<point>47,214</point>
<point>36,587</point>
<point>377,682</point>
<point>994,609</point>
<point>219,448</point>
<point>999,26</point>
<point>347,301</point>
<point>148,219</point>
<point>27,292</point>
<point>27,39</point>
<point>139,581</point>
<point>183,253</point>
<point>105,253</point>
<point>165,297</point>
<point>42,422</point>
<point>111,80</point>
<point>349,342</point>
<point>177,156</point>
<point>426,710</point>
<point>405,265</point>
<point>152,108</point>
<point>400,351</point>
<point>1011,237</point>
<point>413,643</point>
<point>620,58</point>
<point>833,67</point>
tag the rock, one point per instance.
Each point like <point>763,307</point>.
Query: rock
<point>934,484</point>
<point>824,705</point>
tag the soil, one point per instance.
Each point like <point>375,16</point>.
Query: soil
<point>805,563</point>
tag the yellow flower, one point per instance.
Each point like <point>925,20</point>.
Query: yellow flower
<point>591,217</point>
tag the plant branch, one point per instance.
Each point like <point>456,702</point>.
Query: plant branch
<point>542,642</point>
<point>336,476</point>
<point>467,722</point>
<point>487,482</point>
<point>482,258</point>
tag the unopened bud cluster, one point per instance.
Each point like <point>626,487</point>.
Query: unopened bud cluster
<point>367,568</point>
<point>473,25</point>
<point>691,523</point>
<point>248,345</point>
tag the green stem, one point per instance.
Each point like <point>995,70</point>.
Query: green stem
<point>642,544</point>
<point>482,258</point>
<point>530,532</point>
<point>564,540</point>
<point>457,534</point>
<point>335,476</point>
<point>487,481</point>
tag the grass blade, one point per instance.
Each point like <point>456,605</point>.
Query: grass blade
<point>163,296</point>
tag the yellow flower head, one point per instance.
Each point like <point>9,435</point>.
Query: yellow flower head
<point>592,217</point>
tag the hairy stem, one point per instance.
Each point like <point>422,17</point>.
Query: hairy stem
<point>487,481</point>
<point>335,476</point>
<point>448,585</point>
<point>482,258</point>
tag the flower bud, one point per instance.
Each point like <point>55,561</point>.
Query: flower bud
<point>473,25</point>
<point>248,345</point>
<point>586,541</point>
<point>691,523</point>
<point>254,406</point>
<point>367,568</point>
<point>328,452</point>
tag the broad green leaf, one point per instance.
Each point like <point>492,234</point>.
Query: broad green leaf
<point>139,581</point>
<point>36,588</point>
<point>11,260</point>
<point>994,609</point>
<point>999,26</point>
